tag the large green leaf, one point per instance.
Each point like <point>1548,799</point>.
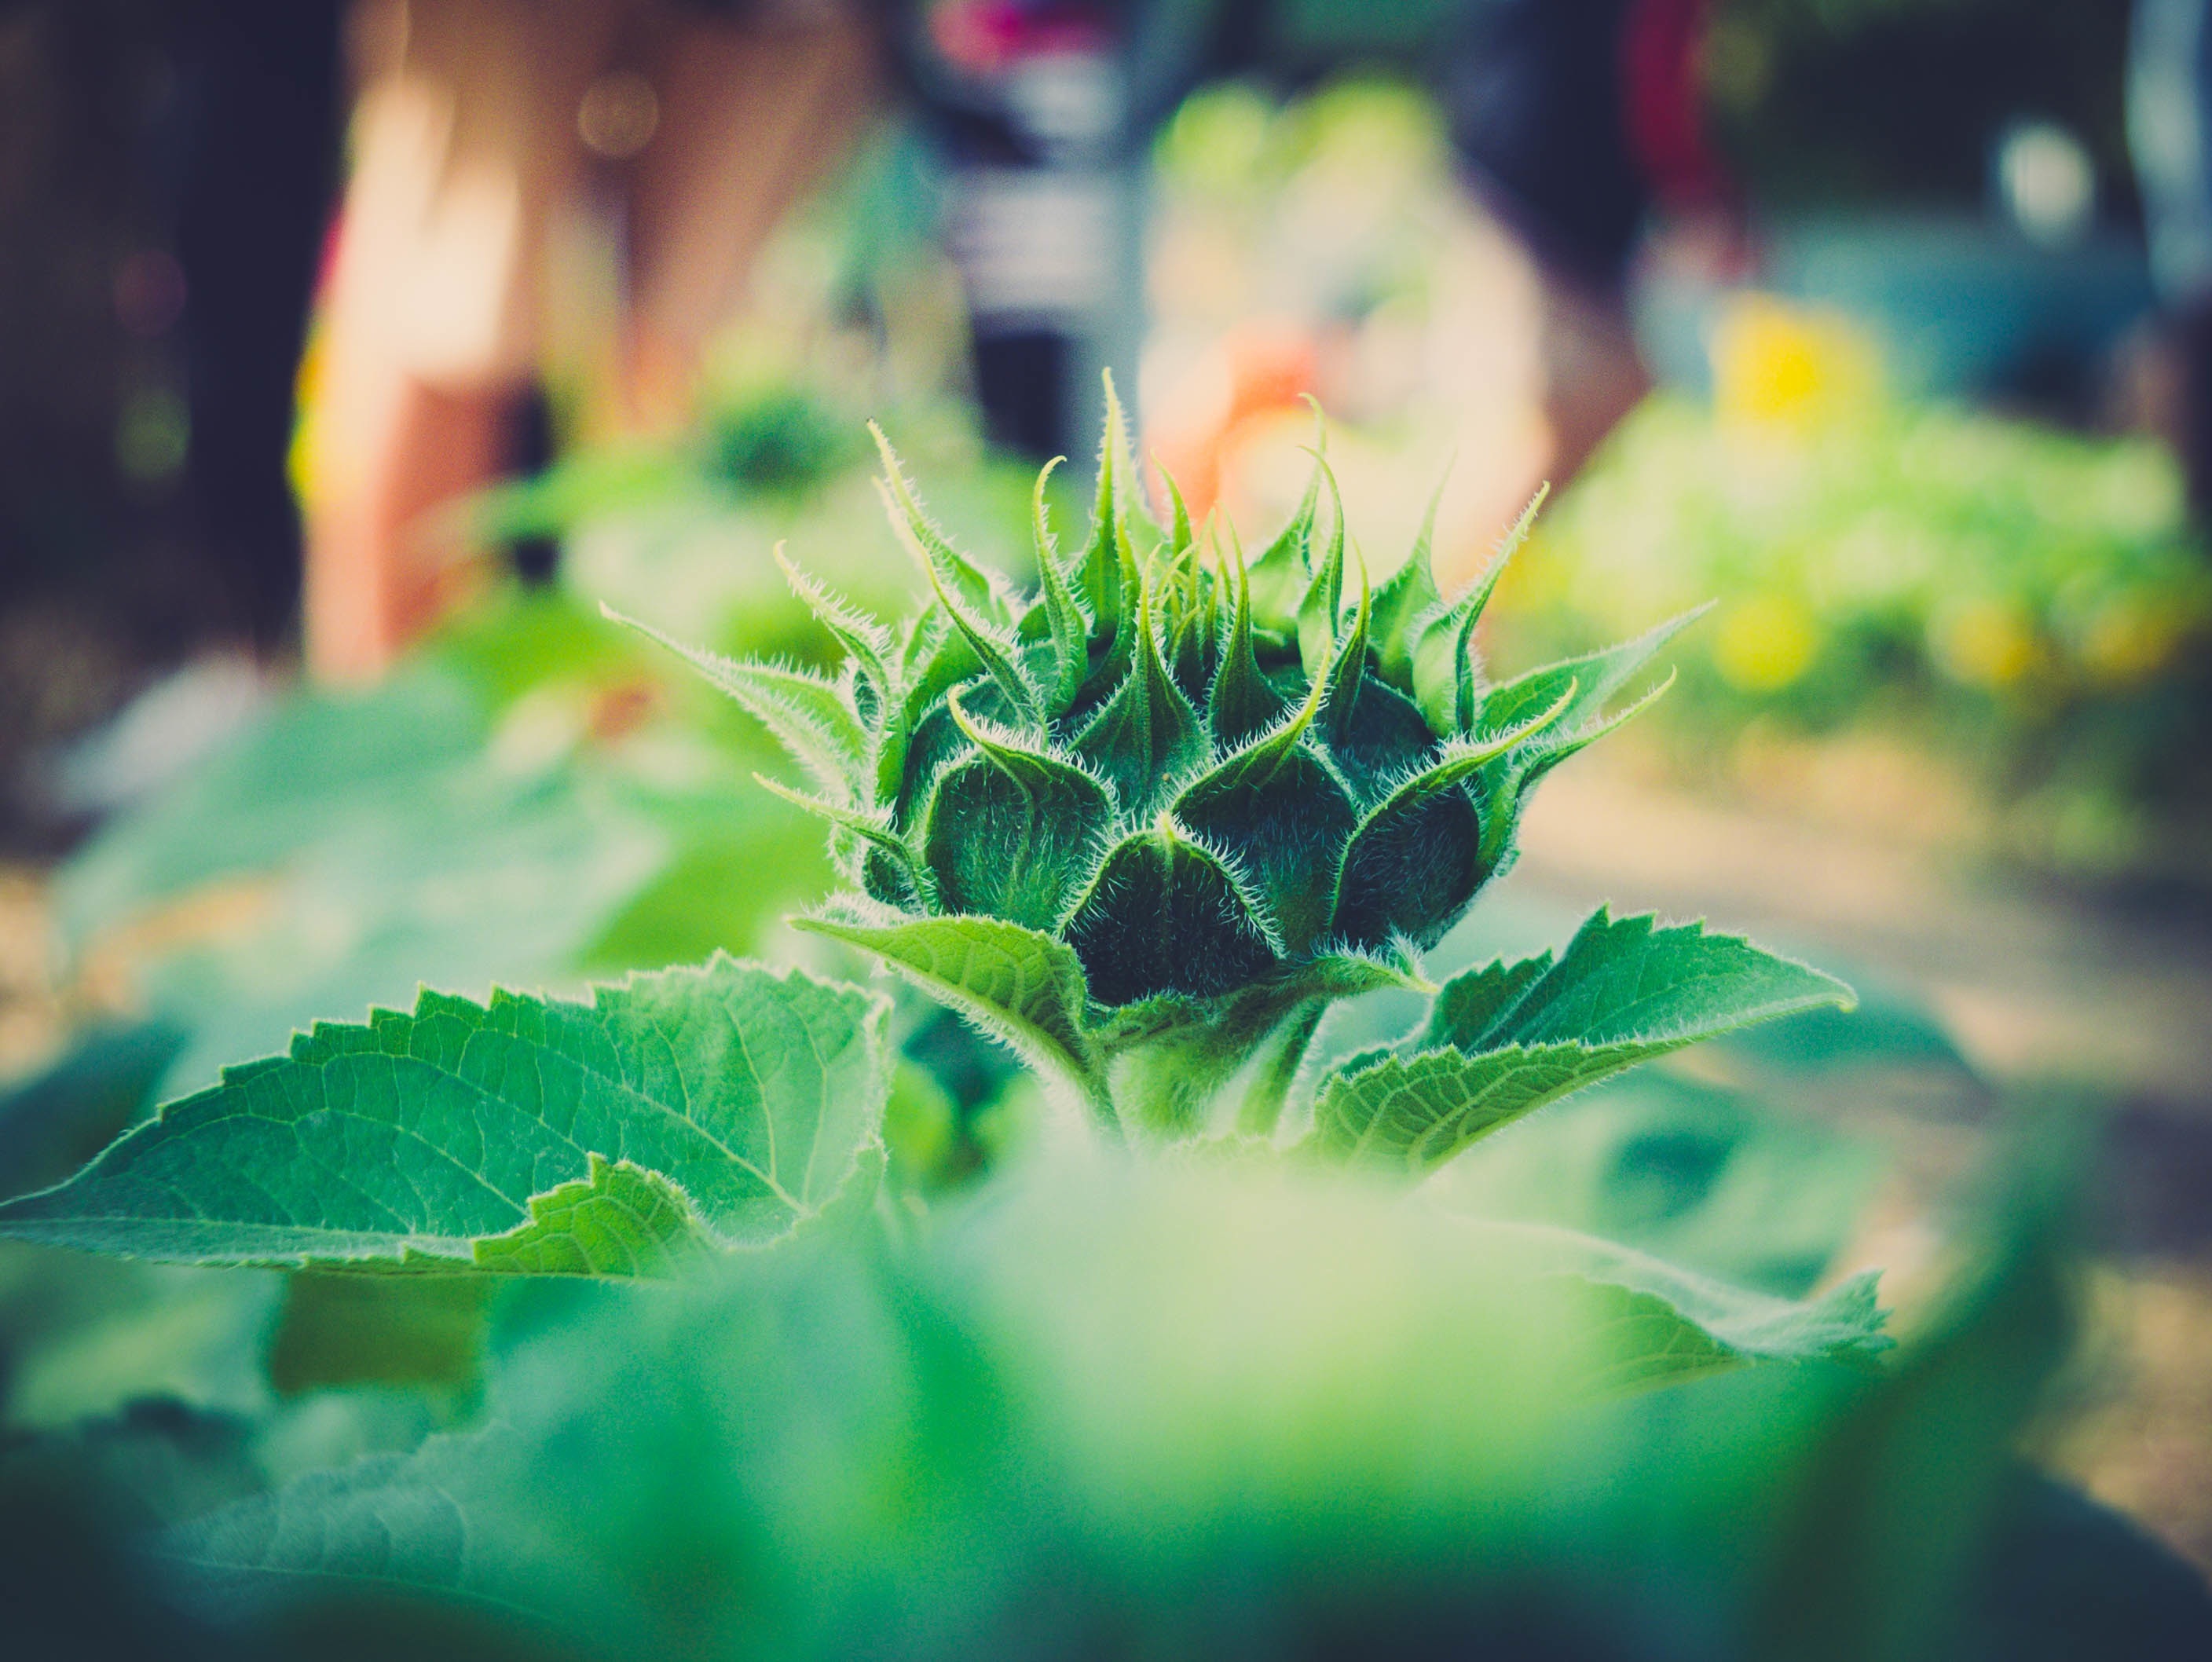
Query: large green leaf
<point>1502,1041</point>
<point>726,1104</point>
<point>1018,985</point>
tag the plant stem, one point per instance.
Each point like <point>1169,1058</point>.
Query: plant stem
<point>1285,1051</point>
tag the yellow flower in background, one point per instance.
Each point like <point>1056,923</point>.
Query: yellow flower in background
<point>2127,643</point>
<point>1779,365</point>
<point>1765,642</point>
<point>1980,642</point>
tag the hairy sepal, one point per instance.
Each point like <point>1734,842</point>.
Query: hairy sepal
<point>1011,830</point>
<point>1166,913</point>
<point>1415,862</point>
<point>815,720</point>
<point>1285,814</point>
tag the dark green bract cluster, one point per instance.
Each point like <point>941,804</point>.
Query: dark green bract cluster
<point>1212,780</point>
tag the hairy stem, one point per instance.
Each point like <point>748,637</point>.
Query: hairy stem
<point>1279,1061</point>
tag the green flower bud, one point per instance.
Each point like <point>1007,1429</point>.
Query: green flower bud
<point>1207,778</point>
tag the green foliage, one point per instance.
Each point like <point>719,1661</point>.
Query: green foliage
<point>724,1105</point>
<point>1503,1040</point>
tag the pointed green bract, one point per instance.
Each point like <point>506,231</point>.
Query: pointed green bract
<point>998,653</point>
<point>1165,914</point>
<point>1241,702</point>
<point>865,641</point>
<point>751,1094</point>
<point>810,717</point>
<point>1346,670</point>
<point>1321,608</point>
<point>1391,881</point>
<point>1066,630</point>
<point>1147,733</point>
<point>1596,677</point>
<point>870,828</point>
<point>1281,576</point>
<point>932,549</point>
<point>1409,592</point>
<point>1010,831</point>
<point>1278,809</point>
<point>1505,783</point>
<point>1447,680</point>
<point>1105,553</point>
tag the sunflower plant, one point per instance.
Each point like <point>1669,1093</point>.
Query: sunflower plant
<point>1143,825</point>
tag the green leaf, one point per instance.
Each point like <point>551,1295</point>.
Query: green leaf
<point>810,717</point>
<point>1166,913</point>
<point>1018,985</point>
<point>422,1140</point>
<point>620,1220</point>
<point>1623,991</point>
<point>1414,1114</point>
<point>1660,1325</point>
<point>1630,979</point>
<point>1008,833</point>
<point>53,1122</point>
<point>1471,1006</point>
<point>1701,1177</point>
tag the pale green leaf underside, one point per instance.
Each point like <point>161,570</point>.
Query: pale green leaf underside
<point>1657,1323</point>
<point>726,1104</point>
